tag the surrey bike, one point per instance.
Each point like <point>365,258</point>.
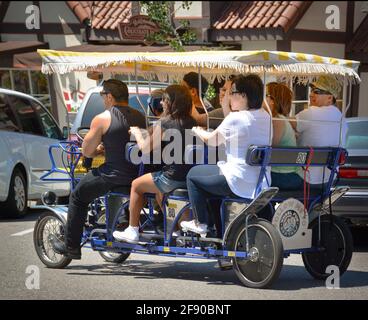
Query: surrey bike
<point>298,222</point>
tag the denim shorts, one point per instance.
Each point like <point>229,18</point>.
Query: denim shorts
<point>166,185</point>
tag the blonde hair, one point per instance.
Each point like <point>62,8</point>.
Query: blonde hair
<point>282,96</point>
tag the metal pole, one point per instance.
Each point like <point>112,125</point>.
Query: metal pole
<point>136,91</point>
<point>200,96</point>
<point>268,107</point>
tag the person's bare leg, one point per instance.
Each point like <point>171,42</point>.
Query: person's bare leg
<point>140,186</point>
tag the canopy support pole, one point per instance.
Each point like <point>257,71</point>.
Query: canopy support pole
<point>268,107</point>
<point>200,96</point>
<point>137,93</point>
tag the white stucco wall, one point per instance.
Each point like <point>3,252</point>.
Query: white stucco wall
<point>363,95</point>
<point>358,14</point>
<point>18,37</point>
<point>195,9</point>
<point>259,45</point>
<point>335,50</point>
<point>315,17</point>
<point>52,11</point>
<point>16,11</point>
<point>60,41</point>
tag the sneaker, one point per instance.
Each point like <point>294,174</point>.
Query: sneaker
<point>60,248</point>
<point>130,235</point>
<point>176,233</point>
<point>194,226</point>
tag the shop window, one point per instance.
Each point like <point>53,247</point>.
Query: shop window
<point>5,80</point>
<point>21,81</point>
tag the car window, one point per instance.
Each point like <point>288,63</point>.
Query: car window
<point>49,126</point>
<point>134,103</point>
<point>95,106</point>
<point>8,121</point>
<point>357,135</point>
<point>26,114</point>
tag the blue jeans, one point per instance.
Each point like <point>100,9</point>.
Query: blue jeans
<point>204,182</point>
<point>286,181</point>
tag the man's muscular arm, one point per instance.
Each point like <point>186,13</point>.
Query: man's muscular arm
<point>91,146</point>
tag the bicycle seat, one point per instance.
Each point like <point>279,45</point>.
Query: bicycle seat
<point>179,193</point>
<point>121,189</point>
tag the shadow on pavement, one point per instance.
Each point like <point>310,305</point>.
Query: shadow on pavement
<point>292,278</point>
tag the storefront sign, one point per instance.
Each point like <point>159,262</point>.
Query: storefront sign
<point>137,28</point>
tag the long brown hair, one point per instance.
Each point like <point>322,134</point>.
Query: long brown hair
<point>282,96</point>
<point>179,100</point>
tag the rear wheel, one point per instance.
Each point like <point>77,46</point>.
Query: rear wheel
<point>334,248</point>
<point>263,266</point>
<point>16,204</point>
<point>48,226</point>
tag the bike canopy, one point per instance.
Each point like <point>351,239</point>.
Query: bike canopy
<point>211,63</point>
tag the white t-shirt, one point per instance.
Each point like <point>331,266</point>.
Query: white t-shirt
<point>323,130</point>
<point>240,130</point>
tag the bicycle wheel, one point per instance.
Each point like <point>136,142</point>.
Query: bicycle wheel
<point>47,226</point>
<point>110,256</point>
<point>263,267</point>
<point>334,248</point>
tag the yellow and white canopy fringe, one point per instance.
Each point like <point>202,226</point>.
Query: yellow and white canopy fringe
<point>172,65</point>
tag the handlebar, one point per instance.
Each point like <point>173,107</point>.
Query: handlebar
<point>71,148</point>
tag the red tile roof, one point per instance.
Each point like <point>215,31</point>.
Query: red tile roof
<point>103,14</point>
<point>261,14</point>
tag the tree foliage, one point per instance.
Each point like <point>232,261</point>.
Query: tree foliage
<point>163,13</point>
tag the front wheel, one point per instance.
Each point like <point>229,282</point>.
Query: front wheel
<point>264,263</point>
<point>48,226</point>
<point>333,244</point>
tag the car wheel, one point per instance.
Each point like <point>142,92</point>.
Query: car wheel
<point>16,204</point>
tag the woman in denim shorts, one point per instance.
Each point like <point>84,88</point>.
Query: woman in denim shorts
<point>176,118</point>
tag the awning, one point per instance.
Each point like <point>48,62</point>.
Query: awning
<point>212,63</point>
<point>32,60</point>
<point>10,48</point>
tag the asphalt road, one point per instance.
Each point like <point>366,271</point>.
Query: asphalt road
<point>150,277</point>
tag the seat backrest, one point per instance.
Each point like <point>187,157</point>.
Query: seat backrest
<point>293,156</point>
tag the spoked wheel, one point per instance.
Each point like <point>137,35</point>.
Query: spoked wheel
<point>263,266</point>
<point>48,226</point>
<point>335,247</point>
<point>109,256</point>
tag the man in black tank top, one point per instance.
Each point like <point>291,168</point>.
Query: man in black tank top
<point>112,129</point>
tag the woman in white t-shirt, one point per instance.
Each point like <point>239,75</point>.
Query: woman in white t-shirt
<point>246,123</point>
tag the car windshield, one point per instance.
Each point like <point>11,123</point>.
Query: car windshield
<point>95,106</point>
<point>357,135</point>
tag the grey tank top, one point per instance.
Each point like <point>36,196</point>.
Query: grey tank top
<point>116,168</point>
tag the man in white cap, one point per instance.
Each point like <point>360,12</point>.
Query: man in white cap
<point>319,125</point>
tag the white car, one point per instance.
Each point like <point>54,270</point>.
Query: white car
<point>27,130</point>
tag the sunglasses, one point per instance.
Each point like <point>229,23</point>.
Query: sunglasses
<point>319,91</point>
<point>234,92</point>
<point>103,93</point>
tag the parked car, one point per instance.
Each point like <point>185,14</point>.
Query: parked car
<point>27,130</point>
<point>353,206</point>
<point>93,104</point>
